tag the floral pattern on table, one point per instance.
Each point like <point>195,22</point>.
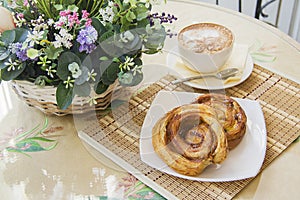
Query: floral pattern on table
<point>25,142</point>
<point>135,189</point>
<point>262,53</point>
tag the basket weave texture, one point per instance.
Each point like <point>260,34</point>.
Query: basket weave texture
<point>44,99</point>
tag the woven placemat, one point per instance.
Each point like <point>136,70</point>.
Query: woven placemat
<point>116,135</point>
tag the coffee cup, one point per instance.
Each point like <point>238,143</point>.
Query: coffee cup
<point>205,47</point>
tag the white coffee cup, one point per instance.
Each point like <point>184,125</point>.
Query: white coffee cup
<point>205,47</point>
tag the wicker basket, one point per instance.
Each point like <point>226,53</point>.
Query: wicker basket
<point>44,99</point>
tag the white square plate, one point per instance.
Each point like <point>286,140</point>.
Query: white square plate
<point>242,162</point>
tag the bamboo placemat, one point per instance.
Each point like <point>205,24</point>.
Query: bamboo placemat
<point>116,135</point>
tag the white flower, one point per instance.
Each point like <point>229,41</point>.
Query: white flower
<point>50,22</point>
<point>63,39</point>
<point>62,20</point>
<point>137,69</point>
<point>92,101</point>
<point>107,13</point>
<point>11,65</point>
<point>91,75</point>
<point>51,70</point>
<point>34,38</point>
<point>69,82</point>
<point>127,64</point>
<point>64,33</point>
<point>74,69</point>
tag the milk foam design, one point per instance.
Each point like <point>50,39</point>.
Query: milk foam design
<point>205,39</point>
<point>205,47</point>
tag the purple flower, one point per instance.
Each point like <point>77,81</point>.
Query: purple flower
<point>87,38</point>
<point>20,52</point>
<point>87,47</point>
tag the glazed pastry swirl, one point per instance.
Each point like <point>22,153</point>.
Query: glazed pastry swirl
<point>189,138</point>
<point>230,115</point>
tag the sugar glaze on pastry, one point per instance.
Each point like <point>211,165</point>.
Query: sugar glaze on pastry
<point>189,138</point>
<point>230,114</point>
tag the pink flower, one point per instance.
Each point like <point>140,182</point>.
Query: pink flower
<point>88,22</point>
<point>85,14</point>
<point>64,13</point>
<point>59,23</point>
<point>73,19</point>
<point>25,3</point>
<point>7,21</point>
<point>20,15</point>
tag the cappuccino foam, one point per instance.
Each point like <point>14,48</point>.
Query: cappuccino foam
<point>208,38</point>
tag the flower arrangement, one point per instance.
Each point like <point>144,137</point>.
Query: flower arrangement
<point>79,46</point>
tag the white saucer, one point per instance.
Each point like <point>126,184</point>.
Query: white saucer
<point>174,62</point>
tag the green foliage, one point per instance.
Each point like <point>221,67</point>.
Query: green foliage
<point>52,35</point>
<point>64,60</point>
<point>100,88</point>
<point>64,96</point>
<point>10,75</point>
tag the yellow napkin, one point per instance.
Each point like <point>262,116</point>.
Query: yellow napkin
<point>238,60</point>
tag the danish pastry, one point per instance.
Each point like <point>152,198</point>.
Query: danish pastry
<point>189,138</point>
<point>230,114</point>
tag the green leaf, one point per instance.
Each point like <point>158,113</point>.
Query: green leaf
<point>125,24</point>
<point>150,51</point>
<point>106,36</point>
<point>127,79</point>
<point>72,8</point>
<point>2,65</point>
<point>21,34</point>
<point>96,23</point>
<point>142,16</point>
<point>5,54</point>
<point>83,89</point>
<point>58,7</point>
<point>64,96</point>
<point>63,62</point>
<point>2,49</point>
<point>53,52</point>
<point>100,88</point>
<point>32,53</point>
<point>8,36</point>
<point>69,2</point>
<point>103,58</point>
<point>130,16</point>
<point>112,71</point>
<point>110,74</point>
<point>13,74</point>
<point>141,24</point>
<point>141,12</point>
<point>138,61</point>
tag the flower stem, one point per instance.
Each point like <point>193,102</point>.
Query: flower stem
<point>44,7</point>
